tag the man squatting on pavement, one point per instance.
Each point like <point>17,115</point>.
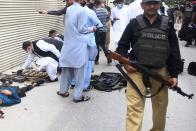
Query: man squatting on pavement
<point>48,57</point>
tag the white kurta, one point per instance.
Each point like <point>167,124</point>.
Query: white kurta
<point>166,8</point>
<point>47,63</point>
<point>74,51</point>
<point>119,25</point>
<point>134,9</point>
<point>42,61</point>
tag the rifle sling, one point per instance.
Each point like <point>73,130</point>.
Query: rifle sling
<point>134,85</point>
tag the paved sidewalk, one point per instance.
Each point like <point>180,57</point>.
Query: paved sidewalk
<point>43,110</point>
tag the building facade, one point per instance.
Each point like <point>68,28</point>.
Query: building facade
<point>19,22</point>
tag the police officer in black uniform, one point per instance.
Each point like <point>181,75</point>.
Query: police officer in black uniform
<point>154,44</point>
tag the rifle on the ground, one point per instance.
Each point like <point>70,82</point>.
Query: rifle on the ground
<point>21,76</point>
<point>142,69</point>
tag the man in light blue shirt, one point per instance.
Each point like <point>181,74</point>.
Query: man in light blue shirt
<point>92,20</point>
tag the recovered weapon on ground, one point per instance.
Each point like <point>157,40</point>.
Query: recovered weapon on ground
<point>22,76</point>
<point>32,74</point>
<point>142,69</point>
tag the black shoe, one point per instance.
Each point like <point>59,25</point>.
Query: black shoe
<point>53,80</point>
<point>59,69</point>
<point>187,44</point>
<point>84,98</point>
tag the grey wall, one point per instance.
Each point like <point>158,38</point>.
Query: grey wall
<point>19,22</point>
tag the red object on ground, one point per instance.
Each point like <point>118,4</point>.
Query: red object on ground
<point>1,114</point>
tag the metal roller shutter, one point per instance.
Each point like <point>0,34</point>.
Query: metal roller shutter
<point>19,22</point>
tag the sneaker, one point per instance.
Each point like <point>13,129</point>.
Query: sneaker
<point>53,80</point>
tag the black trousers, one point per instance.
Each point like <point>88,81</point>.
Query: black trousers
<point>100,41</point>
<point>184,27</point>
<point>22,91</point>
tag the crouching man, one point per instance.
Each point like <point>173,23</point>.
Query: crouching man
<point>48,56</point>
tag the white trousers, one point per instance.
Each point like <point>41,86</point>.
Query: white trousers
<point>50,65</point>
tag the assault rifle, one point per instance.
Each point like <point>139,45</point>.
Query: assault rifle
<point>142,69</point>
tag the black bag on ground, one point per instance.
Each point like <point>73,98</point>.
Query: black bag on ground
<point>192,68</point>
<point>109,81</point>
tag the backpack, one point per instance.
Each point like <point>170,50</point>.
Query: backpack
<point>109,81</point>
<point>192,68</point>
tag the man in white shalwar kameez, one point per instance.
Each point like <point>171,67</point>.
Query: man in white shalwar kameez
<point>119,19</point>
<point>47,54</point>
<point>134,9</point>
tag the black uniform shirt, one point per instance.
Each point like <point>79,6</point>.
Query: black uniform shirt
<point>129,38</point>
<point>58,12</point>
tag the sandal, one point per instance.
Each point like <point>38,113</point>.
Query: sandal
<point>84,98</point>
<point>66,94</point>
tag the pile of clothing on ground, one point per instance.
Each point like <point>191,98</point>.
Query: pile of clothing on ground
<point>108,81</point>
